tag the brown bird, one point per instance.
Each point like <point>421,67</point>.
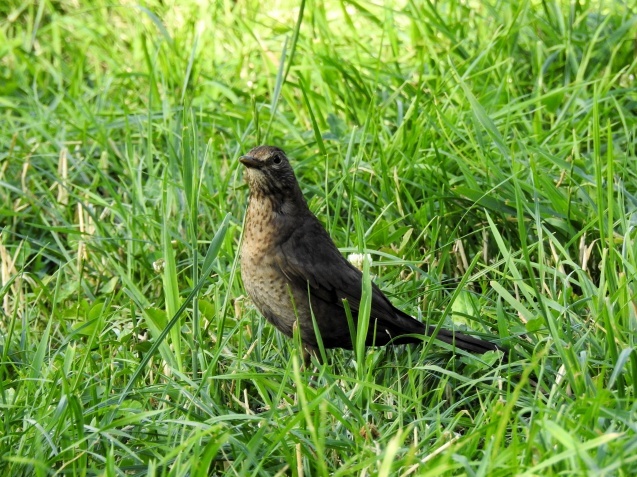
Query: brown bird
<point>291,268</point>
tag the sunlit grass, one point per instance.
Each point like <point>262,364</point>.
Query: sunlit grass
<point>483,155</point>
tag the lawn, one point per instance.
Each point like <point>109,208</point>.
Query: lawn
<point>482,153</point>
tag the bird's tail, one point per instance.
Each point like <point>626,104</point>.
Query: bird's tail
<point>462,341</point>
<point>405,324</point>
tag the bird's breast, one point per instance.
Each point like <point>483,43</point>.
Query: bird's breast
<point>263,279</point>
<point>260,232</point>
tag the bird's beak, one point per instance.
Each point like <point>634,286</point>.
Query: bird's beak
<point>250,161</point>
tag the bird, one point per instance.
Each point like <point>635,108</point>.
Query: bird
<point>293,271</point>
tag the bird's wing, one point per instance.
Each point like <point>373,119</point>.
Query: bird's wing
<point>309,258</point>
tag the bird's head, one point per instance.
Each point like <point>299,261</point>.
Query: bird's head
<point>269,174</point>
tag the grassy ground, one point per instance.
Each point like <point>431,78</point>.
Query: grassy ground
<point>483,153</point>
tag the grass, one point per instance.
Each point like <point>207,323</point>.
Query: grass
<point>483,153</point>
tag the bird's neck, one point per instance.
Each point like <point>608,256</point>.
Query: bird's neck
<point>277,204</point>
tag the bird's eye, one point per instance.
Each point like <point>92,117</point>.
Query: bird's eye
<point>277,160</point>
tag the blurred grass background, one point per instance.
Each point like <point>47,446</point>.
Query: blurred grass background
<point>482,152</point>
